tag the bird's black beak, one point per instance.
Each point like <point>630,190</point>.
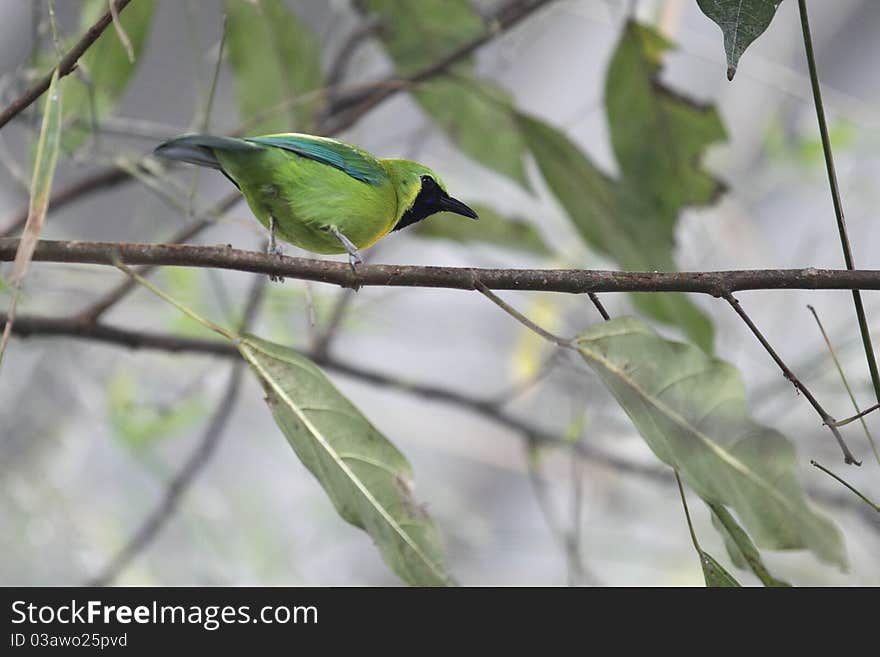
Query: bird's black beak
<point>449,204</point>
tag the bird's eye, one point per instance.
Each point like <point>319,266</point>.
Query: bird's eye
<point>427,181</point>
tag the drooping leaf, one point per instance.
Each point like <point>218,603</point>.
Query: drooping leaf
<point>658,135</point>
<point>475,114</point>
<point>276,59</point>
<point>492,228</point>
<point>691,410</point>
<point>106,67</point>
<point>714,573</point>
<point>739,546</point>
<point>613,221</point>
<point>45,161</point>
<point>741,21</point>
<point>658,138</point>
<point>366,477</point>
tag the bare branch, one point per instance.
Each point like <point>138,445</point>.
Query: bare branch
<point>34,326</point>
<point>572,281</point>
<point>66,66</point>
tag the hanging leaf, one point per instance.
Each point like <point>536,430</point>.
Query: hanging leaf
<point>612,222</point>
<point>741,21</point>
<point>739,546</point>
<point>691,410</point>
<point>658,137</point>
<point>366,477</point>
<point>493,228</point>
<point>475,114</point>
<point>276,60</point>
<point>106,67</point>
<point>714,573</point>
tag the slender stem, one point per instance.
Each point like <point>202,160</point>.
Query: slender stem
<point>835,196</point>
<point>826,417</point>
<point>852,488</point>
<point>518,316</point>
<point>859,414</point>
<point>66,66</point>
<point>687,515</point>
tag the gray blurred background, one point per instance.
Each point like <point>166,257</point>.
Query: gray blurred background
<point>75,483</point>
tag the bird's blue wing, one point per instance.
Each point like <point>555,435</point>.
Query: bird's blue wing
<point>358,164</point>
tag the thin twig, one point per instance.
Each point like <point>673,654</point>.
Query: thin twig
<point>66,66</point>
<point>198,459</point>
<point>852,488</point>
<point>826,417</point>
<point>350,110</point>
<point>835,197</point>
<point>518,316</point>
<point>595,299</point>
<point>859,414</point>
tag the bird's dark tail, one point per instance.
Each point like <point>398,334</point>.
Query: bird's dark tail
<point>199,149</point>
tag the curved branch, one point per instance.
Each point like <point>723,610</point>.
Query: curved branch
<point>66,66</point>
<point>34,326</point>
<point>572,281</point>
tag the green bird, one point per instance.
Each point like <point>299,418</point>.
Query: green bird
<point>320,194</point>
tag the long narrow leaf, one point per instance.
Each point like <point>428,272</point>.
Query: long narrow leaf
<point>366,477</point>
<point>41,184</point>
<point>691,410</point>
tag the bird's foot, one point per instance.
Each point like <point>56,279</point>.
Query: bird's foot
<point>355,259</point>
<point>277,252</point>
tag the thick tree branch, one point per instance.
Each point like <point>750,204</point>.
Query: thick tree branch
<point>66,66</point>
<point>573,281</point>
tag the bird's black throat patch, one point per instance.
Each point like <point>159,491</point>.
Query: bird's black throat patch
<point>428,202</point>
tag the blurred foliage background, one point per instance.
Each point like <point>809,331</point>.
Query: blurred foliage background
<point>591,134</point>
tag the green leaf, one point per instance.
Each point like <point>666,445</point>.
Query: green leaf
<point>105,65</point>
<point>610,219</point>
<point>714,573</point>
<point>691,410</point>
<point>658,135</point>
<point>741,21</point>
<point>739,546</point>
<point>475,114</point>
<point>366,477</point>
<point>492,228</point>
<point>276,59</point>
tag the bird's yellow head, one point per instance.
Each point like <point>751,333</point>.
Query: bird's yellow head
<point>421,193</point>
